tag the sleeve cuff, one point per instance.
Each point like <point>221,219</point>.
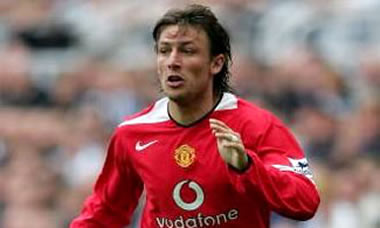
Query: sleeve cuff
<point>242,170</point>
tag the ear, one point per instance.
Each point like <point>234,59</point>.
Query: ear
<point>217,64</point>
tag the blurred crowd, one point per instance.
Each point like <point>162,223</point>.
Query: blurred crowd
<point>70,70</point>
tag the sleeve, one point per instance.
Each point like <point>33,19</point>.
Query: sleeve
<point>279,172</point>
<point>116,192</point>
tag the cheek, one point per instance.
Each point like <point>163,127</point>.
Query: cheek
<point>198,67</point>
<point>159,67</point>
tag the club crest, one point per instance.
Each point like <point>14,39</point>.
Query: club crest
<point>184,156</point>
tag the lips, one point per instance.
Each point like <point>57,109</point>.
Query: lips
<point>175,81</point>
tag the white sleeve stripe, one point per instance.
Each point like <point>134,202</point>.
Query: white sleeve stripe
<point>297,165</point>
<point>292,169</point>
<point>284,167</point>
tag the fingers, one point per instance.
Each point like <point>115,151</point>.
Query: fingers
<point>235,145</point>
<point>219,126</point>
<point>222,131</point>
<point>230,145</point>
<point>227,136</point>
<point>218,123</point>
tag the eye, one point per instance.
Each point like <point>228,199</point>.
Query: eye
<point>163,50</point>
<point>188,50</point>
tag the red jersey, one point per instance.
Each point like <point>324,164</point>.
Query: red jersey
<point>187,183</point>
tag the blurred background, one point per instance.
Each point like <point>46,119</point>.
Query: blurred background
<point>70,70</point>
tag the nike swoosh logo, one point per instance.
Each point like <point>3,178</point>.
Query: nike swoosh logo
<point>140,147</point>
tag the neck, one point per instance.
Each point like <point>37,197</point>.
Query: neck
<point>189,112</point>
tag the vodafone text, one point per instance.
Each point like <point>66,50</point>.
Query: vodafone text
<point>199,220</point>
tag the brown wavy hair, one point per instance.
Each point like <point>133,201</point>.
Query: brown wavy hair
<point>201,16</point>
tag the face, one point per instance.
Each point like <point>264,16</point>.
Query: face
<point>184,64</point>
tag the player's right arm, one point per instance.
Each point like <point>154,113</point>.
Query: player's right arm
<point>116,192</point>
<point>278,169</point>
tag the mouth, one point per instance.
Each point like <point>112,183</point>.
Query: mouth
<point>175,81</point>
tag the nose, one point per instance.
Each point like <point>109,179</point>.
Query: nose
<point>174,60</point>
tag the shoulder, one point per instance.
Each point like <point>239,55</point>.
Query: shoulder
<point>153,114</point>
<point>247,117</point>
<point>244,111</point>
<point>260,116</point>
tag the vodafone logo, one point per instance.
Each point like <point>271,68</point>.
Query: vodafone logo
<point>198,201</point>
<point>199,220</point>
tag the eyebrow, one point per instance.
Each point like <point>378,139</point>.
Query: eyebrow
<point>184,43</point>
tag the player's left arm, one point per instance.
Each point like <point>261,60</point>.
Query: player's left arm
<point>276,167</point>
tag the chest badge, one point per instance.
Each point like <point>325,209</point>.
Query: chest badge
<point>184,156</point>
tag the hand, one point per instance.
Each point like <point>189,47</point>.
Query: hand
<point>230,146</point>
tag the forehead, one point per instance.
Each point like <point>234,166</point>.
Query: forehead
<point>184,33</point>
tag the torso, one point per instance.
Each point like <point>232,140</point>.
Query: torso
<point>185,178</point>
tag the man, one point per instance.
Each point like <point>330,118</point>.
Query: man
<point>205,157</point>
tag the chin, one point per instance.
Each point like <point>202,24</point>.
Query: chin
<point>177,97</point>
